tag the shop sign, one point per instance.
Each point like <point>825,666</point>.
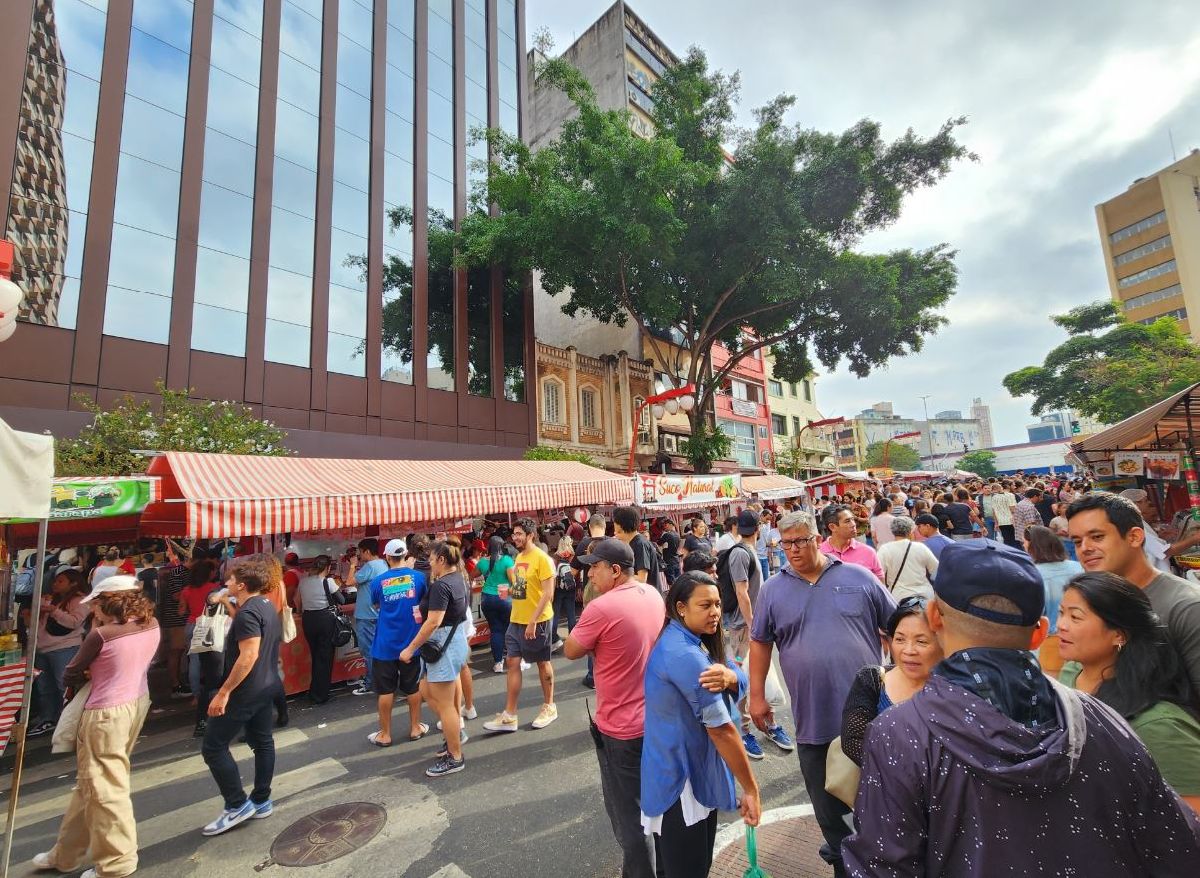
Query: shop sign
<point>1129,463</point>
<point>693,489</point>
<point>1163,464</point>
<point>76,499</point>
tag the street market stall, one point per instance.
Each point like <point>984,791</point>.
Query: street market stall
<point>1154,449</point>
<point>217,496</point>
<point>773,487</point>
<point>677,495</point>
<point>840,482</point>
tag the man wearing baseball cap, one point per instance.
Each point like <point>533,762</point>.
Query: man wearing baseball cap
<point>618,629</point>
<point>992,751</point>
<point>396,595</point>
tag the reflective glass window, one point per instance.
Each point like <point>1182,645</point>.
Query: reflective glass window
<point>228,162</point>
<point>513,333</point>
<point>397,355</point>
<point>52,170</point>
<point>292,241</point>
<point>476,63</point>
<point>289,315</point>
<point>233,105</point>
<point>401,14</point>
<point>300,31</point>
<point>507,65</point>
<point>479,331</point>
<point>226,220</point>
<point>440,192</point>
<point>299,84</point>
<point>294,188</point>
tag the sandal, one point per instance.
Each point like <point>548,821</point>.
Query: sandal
<point>374,739</point>
<point>424,732</point>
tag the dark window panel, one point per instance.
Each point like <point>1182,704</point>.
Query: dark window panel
<point>479,332</point>
<point>513,332</point>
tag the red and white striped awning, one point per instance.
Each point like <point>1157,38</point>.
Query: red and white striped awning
<point>772,487</point>
<point>229,495</point>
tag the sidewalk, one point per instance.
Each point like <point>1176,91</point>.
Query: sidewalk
<point>786,849</point>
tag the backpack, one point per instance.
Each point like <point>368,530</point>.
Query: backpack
<point>729,601</point>
<point>564,579</point>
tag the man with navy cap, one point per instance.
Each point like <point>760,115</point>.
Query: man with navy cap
<point>994,767</point>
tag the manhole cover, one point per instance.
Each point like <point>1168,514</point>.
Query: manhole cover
<point>328,834</point>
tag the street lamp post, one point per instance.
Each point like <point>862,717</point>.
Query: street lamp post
<point>681,399</point>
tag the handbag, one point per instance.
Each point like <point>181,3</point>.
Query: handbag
<point>432,652</point>
<point>287,624</point>
<point>67,731</point>
<point>841,774</point>
<point>209,633</point>
<point>343,628</point>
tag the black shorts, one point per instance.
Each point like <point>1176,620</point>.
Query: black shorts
<point>394,677</point>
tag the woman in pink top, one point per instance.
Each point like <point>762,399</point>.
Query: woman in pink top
<point>115,657</point>
<point>59,636</point>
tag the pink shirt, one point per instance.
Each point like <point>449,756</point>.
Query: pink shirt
<point>856,553</point>
<point>620,628</point>
<point>118,657</point>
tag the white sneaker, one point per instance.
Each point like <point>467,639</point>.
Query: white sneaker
<point>469,713</point>
<point>525,666</point>
<point>547,715</point>
<point>88,873</point>
<point>42,861</point>
<point>498,668</point>
<point>501,722</point>
<point>558,644</point>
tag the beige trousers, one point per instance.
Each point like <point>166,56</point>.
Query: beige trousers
<point>99,816</point>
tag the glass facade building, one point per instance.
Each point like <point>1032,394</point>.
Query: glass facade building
<point>255,199</point>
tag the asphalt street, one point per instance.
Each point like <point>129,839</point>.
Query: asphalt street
<point>527,804</point>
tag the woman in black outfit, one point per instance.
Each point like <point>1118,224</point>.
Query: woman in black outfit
<point>318,596</point>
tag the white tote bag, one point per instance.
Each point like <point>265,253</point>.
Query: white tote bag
<point>209,633</point>
<point>67,730</point>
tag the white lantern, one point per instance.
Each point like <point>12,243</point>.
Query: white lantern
<point>7,330</point>
<point>10,297</point>
<point>672,406</point>
<point>687,402</point>
<point>658,411</point>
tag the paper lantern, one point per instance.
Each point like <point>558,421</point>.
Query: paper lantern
<point>7,330</point>
<point>658,411</point>
<point>10,297</point>
<point>672,406</point>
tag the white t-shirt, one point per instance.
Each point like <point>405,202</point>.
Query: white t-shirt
<point>102,573</point>
<point>1155,548</point>
<point>913,578</point>
<point>724,541</point>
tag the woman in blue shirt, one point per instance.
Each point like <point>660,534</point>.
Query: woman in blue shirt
<point>692,747</point>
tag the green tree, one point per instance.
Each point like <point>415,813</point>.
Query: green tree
<point>751,250</point>
<point>1109,367</point>
<point>549,452</point>
<point>706,445</point>
<point>980,462</point>
<point>176,422</point>
<point>899,456</point>
<point>791,461</point>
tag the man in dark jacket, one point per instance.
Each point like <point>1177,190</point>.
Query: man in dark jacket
<point>994,767</point>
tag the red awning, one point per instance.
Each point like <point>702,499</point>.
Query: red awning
<point>228,495</point>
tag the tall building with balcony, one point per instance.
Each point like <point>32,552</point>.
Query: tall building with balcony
<point>793,405</point>
<point>252,198</point>
<point>742,411</point>
<point>1150,235</point>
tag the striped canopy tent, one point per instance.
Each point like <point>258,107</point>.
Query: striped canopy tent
<point>214,496</point>
<point>837,483</point>
<point>772,487</point>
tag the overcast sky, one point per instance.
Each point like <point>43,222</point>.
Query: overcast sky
<point>1068,103</point>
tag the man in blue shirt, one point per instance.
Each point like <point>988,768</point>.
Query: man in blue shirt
<point>826,617</point>
<point>364,612</point>
<point>931,535</point>
<point>396,596</point>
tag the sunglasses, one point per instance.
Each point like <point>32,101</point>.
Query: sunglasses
<point>912,602</point>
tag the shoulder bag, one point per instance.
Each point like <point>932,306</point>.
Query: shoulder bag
<point>343,628</point>
<point>432,652</point>
<point>900,569</point>
<point>209,633</point>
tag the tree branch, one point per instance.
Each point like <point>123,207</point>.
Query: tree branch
<point>627,303</point>
<point>724,297</point>
<point>716,333</point>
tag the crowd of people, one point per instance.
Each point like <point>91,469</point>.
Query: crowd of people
<point>965,672</point>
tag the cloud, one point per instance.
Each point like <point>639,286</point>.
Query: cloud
<point>1067,104</point>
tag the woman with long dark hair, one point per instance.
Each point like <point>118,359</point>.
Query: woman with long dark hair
<point>1118,650</point>
<point>1057,570</point>
<point>495,602</point>
<point>58,639</point>
<point>318,596</point>
<point>693,748</point>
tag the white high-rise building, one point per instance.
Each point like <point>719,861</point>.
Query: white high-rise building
<point>983,414</point>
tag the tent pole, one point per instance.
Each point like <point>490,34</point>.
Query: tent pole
<point>19,729</point>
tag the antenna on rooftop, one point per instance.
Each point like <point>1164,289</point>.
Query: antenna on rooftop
<point>1171,137</point>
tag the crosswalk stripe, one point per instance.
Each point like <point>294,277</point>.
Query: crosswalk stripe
<point>186,821</point>
<point>147,778</point>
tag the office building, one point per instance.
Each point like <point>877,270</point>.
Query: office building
<point>252,199</point>
<point>983,413</point>
<point>793,404</point>
<point>1150,235</point>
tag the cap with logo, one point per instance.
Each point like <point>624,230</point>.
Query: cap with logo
<point>395,549</point>
<point>609,551</point>
<point>974,568</point>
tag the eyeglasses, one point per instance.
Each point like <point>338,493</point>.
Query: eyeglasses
<point>800,543</point>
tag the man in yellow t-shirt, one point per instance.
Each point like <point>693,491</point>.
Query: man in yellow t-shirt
<point>529,636</point>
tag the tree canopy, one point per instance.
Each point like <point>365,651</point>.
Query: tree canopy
<point>751,249</point>
<point>1109,367</point>
<point>549,452</point>
<point>980,462</point>
<point>107,446</point>
<point>899,456</point>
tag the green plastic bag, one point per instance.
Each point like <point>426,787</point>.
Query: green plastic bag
<point>752,855</point>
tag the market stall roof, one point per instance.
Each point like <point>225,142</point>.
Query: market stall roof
<point>90,510</point>
<point>210,496</point>
<point>845,475</point>
<point>1167,422</point>
<point>772,487</point>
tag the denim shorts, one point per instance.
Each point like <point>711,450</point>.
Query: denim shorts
<point>446,669</point>
<point>535,650</point>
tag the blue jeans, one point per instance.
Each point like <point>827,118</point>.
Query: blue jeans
<point>49,684</point>
<point>765,566</point>
<point>193,661</point>
<point>564,608</point>
<point>365,629</point>
<point>497,611</point>
<point>991,527</point>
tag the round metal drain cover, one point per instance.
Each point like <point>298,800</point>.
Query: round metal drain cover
<point>328,834</point>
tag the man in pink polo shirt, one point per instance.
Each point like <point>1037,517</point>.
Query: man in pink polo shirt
<point>619,629</point>
<point>841,543</point>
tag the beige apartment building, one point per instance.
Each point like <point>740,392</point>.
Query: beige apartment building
<point>1151,239</point>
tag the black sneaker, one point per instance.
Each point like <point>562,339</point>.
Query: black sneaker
<point>181,692</point>
<point>201,728</point>
<point>589,681</point>
<point>43,728</point>
<point>446,766</point>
